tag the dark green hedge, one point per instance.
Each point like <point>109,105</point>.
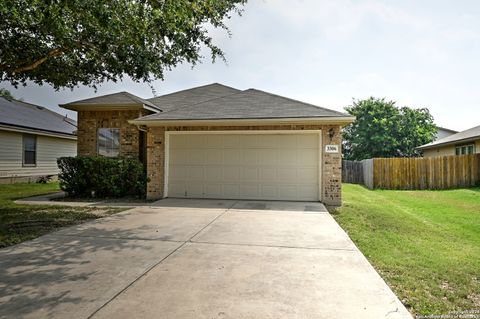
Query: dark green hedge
<point>87,176</point>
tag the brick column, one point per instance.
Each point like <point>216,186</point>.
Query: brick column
<point>155,162</point>
<point>332,168</point>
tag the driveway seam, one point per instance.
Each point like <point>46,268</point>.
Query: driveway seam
<point>122,238</point>
<point>273,246</point>
<point>158,263</point>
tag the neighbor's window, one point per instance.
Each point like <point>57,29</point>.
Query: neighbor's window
<point>465,149</point>
<point>109,142</point>
<point>29,150</point>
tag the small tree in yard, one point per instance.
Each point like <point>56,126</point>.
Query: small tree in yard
<point>67,43</point>
<point>384,130</point>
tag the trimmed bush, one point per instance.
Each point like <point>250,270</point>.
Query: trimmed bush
<point>87,176</point>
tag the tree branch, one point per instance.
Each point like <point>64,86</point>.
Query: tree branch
<point>53,53</point>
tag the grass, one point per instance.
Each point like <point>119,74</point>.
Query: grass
<point>20,222</point>
<point>425,244</point>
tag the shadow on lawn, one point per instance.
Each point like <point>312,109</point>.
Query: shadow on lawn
<point>64,276</point>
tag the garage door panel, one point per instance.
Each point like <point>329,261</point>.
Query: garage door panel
<point>267,174</point>
<point>196,173</point>
<point>288,142</point>
<point>288,175</point>
<point>307,157</point>
<point>307,141</point>
<point>232,157</point>
<point>195,189</point>
<point>268,141</point>
<point>249,191</point>
<point>231,173</point>
<point>250,157</point>
<point>176,189</point>
<point>231,190</point>
<point>267,157</point>
<point>307,175</point>
<point>214,156</point>
<point>230,141</point>
<point>213,190</point>
<point>250,166</point>
<point>249,174</point>
<point>286,157</point>
<point>214,173</point>
<point>178,173</point>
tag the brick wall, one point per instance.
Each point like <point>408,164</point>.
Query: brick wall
<point>332,163</point>
<point>90,121</point>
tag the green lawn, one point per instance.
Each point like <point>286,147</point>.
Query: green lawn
<point>23,222</point>
<point>425,244</point>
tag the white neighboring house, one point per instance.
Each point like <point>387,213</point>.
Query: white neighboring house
<point>31,139</point>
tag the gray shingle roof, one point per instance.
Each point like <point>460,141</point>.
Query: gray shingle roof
<point>120,98</point>
<point>195,95</point>
<point>248,104</point>
<point>464,136</point>
<point>25,115</point>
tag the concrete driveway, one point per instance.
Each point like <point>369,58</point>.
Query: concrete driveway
<point>196,259</point>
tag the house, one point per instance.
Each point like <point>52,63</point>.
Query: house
<point>444,132</point>
<point>216,141</point>
<point>31,139</point>
<point>465,142</point>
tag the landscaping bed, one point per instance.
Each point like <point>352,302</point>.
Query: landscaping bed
<point>425,244</point>
<point>19,222</point>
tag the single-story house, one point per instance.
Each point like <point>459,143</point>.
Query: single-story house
<point>465,142</point>
<point>31,139</point>
<point>216,141</point>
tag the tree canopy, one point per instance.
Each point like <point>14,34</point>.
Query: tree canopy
<point>384,130</point>
<point>70,42</point>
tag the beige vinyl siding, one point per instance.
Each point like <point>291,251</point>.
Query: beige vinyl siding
<point>439,151</point>
<point>48,150</point>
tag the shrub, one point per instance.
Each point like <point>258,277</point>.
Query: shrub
<point>88,176</point>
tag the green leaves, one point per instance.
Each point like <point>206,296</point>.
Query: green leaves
<point>67,43</point>
<point>384,130</point>
<point>83,176</point>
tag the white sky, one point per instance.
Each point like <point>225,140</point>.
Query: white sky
<point>418,53</point>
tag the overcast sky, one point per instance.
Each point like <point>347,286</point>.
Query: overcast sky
<point>418,53</point>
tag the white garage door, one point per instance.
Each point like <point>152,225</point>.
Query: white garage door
<point>244,166</point>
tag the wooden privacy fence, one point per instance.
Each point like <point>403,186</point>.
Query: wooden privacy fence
<point>440,172</point>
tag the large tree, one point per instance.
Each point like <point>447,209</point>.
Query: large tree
<point>384,130</point>
<point>70,42</point>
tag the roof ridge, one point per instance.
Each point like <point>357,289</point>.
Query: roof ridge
<point>298,101</point>
<point>91,98</point>
<point>189,105</point>
<point>194,88</point>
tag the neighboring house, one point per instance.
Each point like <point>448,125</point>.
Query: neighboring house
<point>465,142</point>
<point>31,139</point>
<point>444,132</point>
<point>215,141</point>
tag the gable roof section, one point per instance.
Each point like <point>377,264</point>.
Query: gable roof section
<point>191,96</point>
<point>26,116</point>
<point>464,136</point>
<point>123,99</point>
<point>248,104</point>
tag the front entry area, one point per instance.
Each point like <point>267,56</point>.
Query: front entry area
<point>261,165</point>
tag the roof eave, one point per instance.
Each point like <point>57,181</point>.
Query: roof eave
<point>459,141</point>
<point>21,129</point>
<point>343,121</point>
<point>109,107</point>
